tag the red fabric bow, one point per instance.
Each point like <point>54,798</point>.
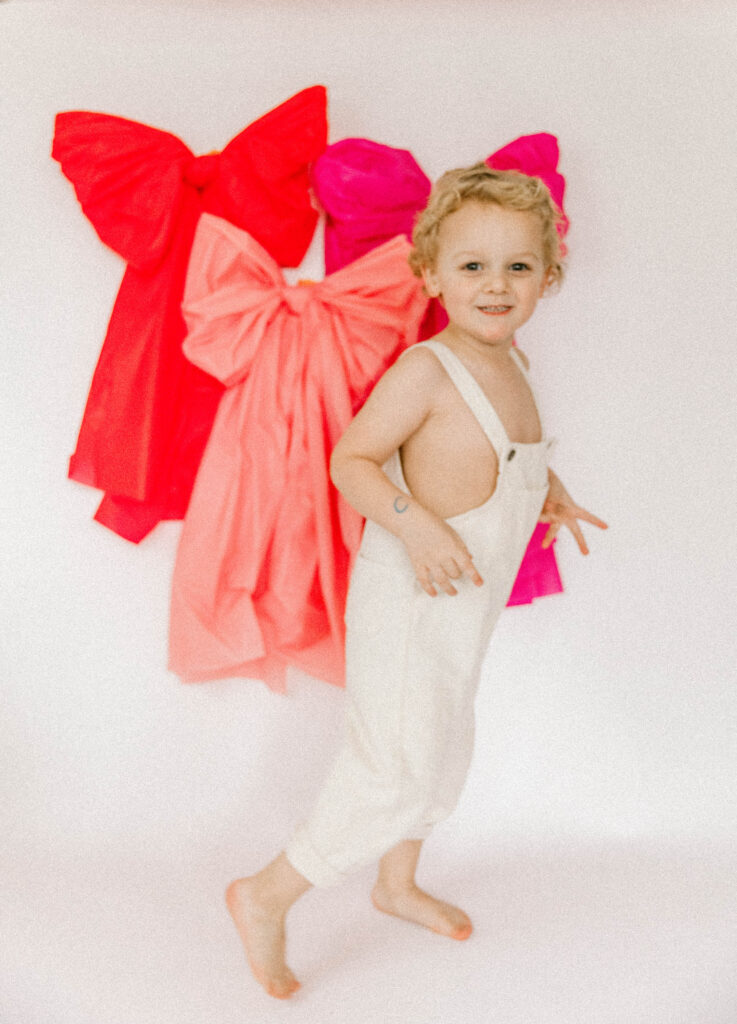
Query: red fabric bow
<point>149,411</point>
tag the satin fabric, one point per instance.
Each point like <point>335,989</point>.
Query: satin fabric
<point>536,155</point>
<point>371,192</point>
<point>150,410</point>
<point>263,561</point>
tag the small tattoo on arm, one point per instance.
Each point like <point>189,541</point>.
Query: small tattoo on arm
<point>400,504</point>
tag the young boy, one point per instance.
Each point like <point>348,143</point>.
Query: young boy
<point>448,463</point>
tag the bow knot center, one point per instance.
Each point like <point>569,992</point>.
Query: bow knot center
<point>296,296</point>
<point>200,171</point>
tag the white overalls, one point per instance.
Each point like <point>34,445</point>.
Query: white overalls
<point>413,664</point>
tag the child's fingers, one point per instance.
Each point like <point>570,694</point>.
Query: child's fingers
<point>423,578</point>
<point>589,517</point>
<point>447,586</point>
<point>451,568</point>
<point>576,531</point>
<point>470,570</point>
<point>551,534</point>
<point>567,511</point>
<point>440,578</point>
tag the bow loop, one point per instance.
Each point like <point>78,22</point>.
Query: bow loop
<point>271,159</point>
<point>535,155</point>
<point>232,284</point>
<point>370,193</point>
<point>128,179</point>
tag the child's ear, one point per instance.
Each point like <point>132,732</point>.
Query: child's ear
<point>547,280</point>
<point>429,279</point>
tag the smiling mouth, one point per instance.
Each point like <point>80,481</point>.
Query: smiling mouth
<point>494,310</point>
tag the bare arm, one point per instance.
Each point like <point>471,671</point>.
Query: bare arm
<point>398,406</point>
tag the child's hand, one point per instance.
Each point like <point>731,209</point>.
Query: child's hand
<point>560,510</point>
<point>437,553</point>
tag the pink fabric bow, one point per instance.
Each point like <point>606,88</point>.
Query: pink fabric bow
<point>536,155</point>
<point>370,192</point>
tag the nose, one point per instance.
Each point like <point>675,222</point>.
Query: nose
<point>495,280</point>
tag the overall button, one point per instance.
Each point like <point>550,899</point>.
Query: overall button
<point>512,453</point>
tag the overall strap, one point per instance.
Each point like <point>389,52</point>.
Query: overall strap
<point>518,360</point>
<point>549,442</point>
<point>474,397</point>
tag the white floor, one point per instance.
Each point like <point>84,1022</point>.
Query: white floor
<point>568,934</point>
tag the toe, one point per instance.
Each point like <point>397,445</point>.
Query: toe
<point>283,989</point>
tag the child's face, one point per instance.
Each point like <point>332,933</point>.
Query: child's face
<point>489,272</point>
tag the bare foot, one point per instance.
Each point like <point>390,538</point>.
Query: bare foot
<point>263,936</point>
<point>413,904</point>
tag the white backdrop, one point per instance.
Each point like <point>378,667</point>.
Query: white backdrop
<point>607,713</point>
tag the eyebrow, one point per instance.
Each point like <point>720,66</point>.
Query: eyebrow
<point>520,255</point>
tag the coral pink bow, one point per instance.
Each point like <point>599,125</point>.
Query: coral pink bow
<point>262,568</point>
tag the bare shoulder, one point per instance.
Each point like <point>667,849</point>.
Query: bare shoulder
<point>522,356</point>
<point>399,404</point>
<point>416,373</point>
<point>418,365</point>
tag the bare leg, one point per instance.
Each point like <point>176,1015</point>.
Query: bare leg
<point>259,906</point>
<point>397,893</point>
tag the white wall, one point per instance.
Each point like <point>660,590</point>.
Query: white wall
<point>608,711</point>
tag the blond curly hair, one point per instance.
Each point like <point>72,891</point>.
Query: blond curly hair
<point>480,183</point>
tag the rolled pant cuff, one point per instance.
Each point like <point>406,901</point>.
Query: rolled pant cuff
<point>303,856</point>
<point>420,834</point>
